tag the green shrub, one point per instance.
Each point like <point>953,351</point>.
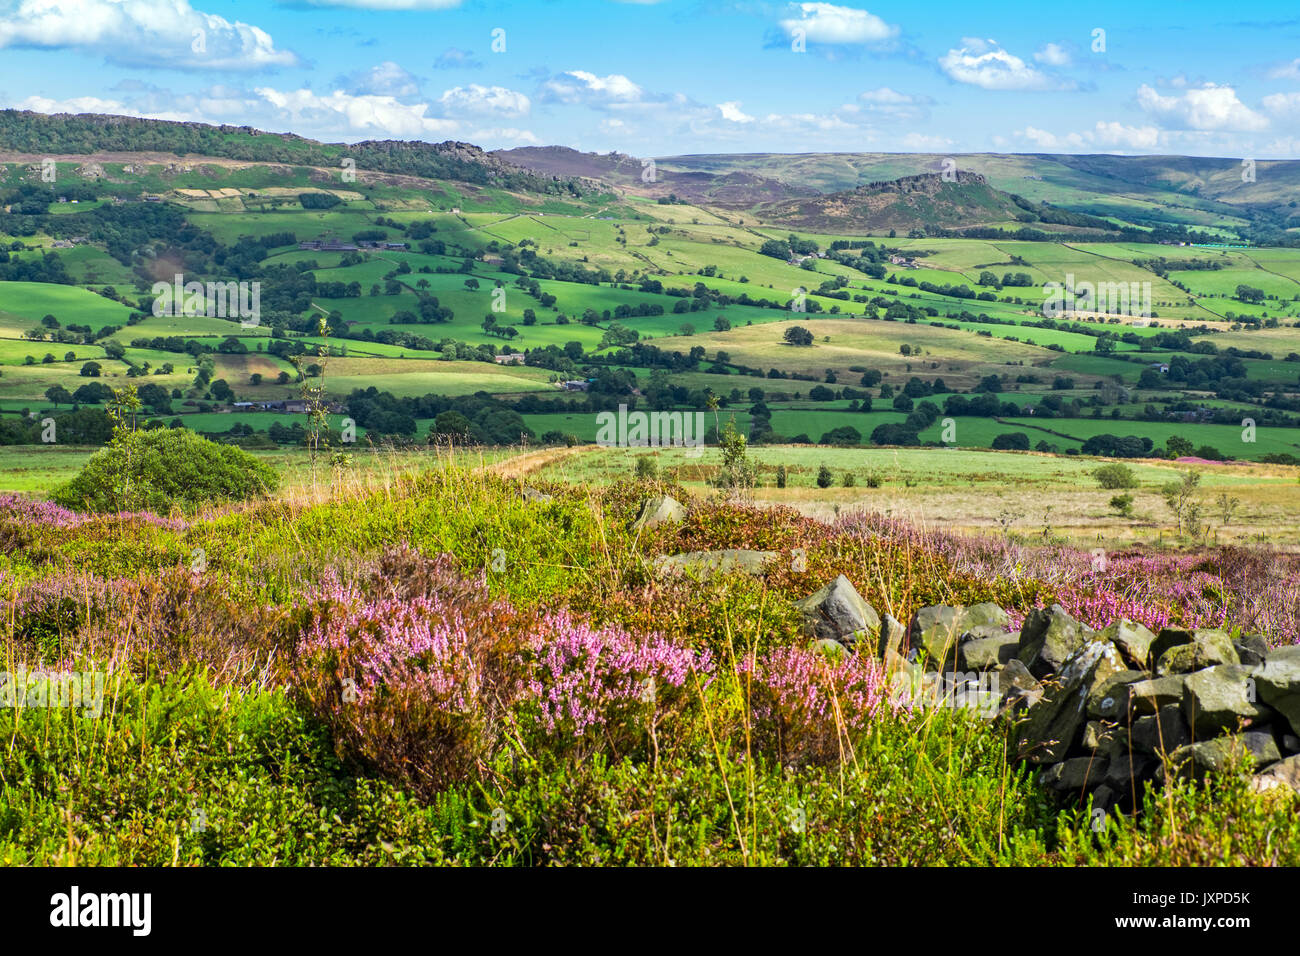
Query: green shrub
<point>1115,476</point>
<point>165,467</point>
<point>824,477</point>
<point>848,481</point>
<point>1123,504</point>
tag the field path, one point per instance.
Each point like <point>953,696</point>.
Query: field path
<point>529,462</point>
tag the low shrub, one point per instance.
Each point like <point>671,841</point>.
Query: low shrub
<point>163,468</point>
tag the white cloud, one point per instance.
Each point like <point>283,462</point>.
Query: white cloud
<point>1104,136</point>
<point>922,141</point>
<point>579,86</point>
<point>1283,104</point>
<point>384,79</point>
<point>886,96</point>
<point>454,58</point>
<point>1285,71</point>
<point>828,23</point>
<point>732,113</point>
<point>364,114</point>
<point>484,99</point>
<point>388,4</point>
<point>499,137</point>
<point>984,64</point>
<point>1208,107</point>
<point>890,103</point>
<point>1053,54</point>
<point>94,104</point>
<point>1127,137</point>
<point>142,32</point>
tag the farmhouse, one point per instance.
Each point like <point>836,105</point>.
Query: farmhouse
<point>1160,367</point>
<point>514,358</point>
<point>575,385</point>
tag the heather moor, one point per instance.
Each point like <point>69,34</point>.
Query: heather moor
<point>521,447</point>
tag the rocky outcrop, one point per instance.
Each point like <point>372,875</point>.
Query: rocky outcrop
<point>837,612</point>
<point>705,564</point>
<point>664,509</point>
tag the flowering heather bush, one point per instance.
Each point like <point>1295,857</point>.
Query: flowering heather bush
<point>419,674</point>
<point>808,706</point>
<point>586,679</point>
<point>170,619</point>
<point>22,510</point>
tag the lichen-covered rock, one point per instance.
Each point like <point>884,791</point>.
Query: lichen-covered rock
<point>1048,637</point>
<point>1077,773</point>
<point>1108,699</point>
<point>1127,770</point>
<point>1207,648</point>
<point>706,564</point>
<point>1211,756</point>
<point>664,509</point>
<point>837,611</point>
<point>1055,723</point>
<point>1277,683</point>
<point>935,632</point>
<point>985,615</point>
<point>1018,688</point>
<point>892,634</point>
<point>1285,773</point>
<point>533,496</point>
<point>986,653</point>
<point>1252,649</point>
<point>1167,638</point>
<point>933,614</point>
<point>1219,698</point>
<point>1133,640</point>
<point>1162,732</point>
<point>1148,696</point>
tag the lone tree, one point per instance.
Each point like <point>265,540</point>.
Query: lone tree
<point>798,335</point>
<point>1178,496</point>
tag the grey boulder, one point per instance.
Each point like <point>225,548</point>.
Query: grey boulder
<point>837,611</point>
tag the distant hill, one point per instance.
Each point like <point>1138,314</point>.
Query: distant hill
<point>928,202</point>
<point>1187,190</point>
<point>739,188</point>
<point>41,134</point>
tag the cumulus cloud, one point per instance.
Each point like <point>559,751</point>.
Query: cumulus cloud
<point>142,33</point>
<point>984,64</point>
<point>828,23</point>
<point>95,104</point>
<point>1208,107</point>
<point>1104,135</point>
<point>579,86</point>
<point>1285,105</point>
<point>890,103</point>
<point>386,4</point>
<point>1053,54</point>
<point>732,113</point>
<point>454,58</point>
<point>922,141</point>
<point>384,79</point>
<point>484,99</point>
<point>1285,71</point>
<point>365,114</point>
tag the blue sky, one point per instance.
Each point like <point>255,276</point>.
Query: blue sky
<point>681,76</point>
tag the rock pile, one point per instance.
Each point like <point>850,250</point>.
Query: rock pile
<point>1108,712</point>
